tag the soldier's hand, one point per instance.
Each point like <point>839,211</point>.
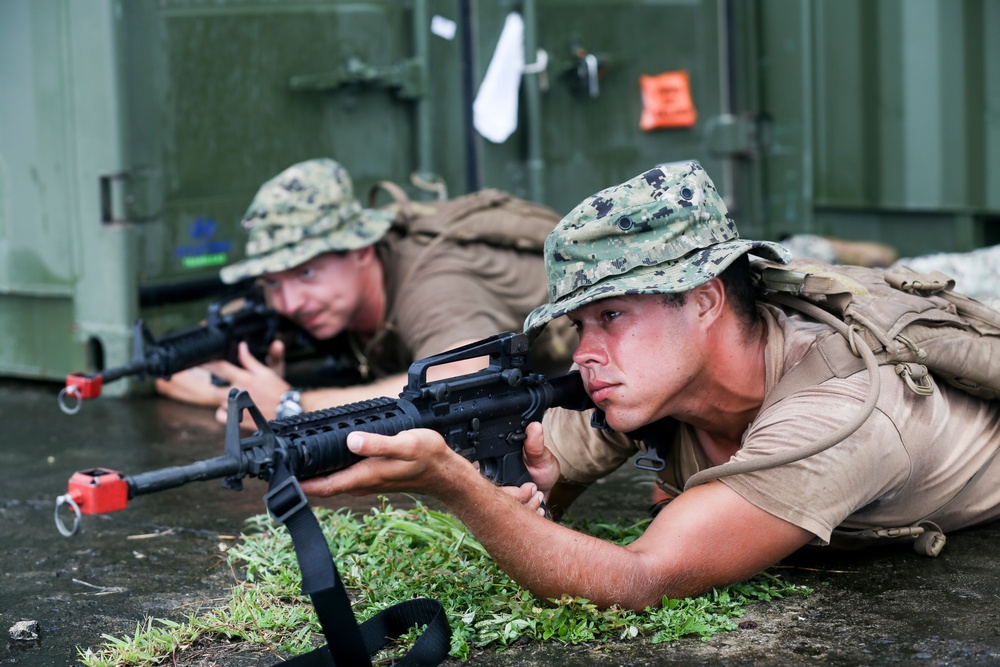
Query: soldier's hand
<point>258,379</point>
<point>276,357</point>
<point>418,461</point>
<point>528,495</point>
<point>542,465</point>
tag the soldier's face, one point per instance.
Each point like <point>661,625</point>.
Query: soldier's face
<point>638,357</point>
<point>323,296</point>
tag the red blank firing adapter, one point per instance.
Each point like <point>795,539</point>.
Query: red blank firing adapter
<point>98,491</point>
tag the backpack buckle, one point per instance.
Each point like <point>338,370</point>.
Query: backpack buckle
<point>917,378</point>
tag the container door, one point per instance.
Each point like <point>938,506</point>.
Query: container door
<point>613,88</point>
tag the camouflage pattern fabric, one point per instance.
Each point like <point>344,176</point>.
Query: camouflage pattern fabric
<point>666,230</point>
<point>841,251</point>
<point>811,246</point>
<point>306,210</point>
<point>976,273</point>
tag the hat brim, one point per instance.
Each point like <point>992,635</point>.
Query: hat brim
<point>365,229</point>
<point>680,275</point>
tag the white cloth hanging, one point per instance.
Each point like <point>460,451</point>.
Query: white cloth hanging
<point>494,111</point>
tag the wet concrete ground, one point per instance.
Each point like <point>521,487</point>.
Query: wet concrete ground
<point>163,557</point>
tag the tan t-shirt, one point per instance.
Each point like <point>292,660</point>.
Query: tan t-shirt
<point>459,292</point>
<point>911,457</point>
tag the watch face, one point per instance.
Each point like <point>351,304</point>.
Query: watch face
<point>290,404</point>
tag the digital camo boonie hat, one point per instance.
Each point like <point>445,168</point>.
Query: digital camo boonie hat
<point>304,211</point>
<point>664,231</point>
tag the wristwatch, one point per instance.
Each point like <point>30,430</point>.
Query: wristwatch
<point>290,404</point>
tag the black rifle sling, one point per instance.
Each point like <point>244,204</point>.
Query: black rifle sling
<point>348,644</point>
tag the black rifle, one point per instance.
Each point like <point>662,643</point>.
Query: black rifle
<point>482,416</point>
<point>228,323</point>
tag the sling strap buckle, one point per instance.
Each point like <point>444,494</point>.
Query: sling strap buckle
<point>285,499</point>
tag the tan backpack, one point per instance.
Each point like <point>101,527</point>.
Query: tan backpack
<point>488,216</point>
<point>918,322</point>
<point>915,322</point>
<point>491,217</point>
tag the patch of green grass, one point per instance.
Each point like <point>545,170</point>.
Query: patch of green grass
<point>390,555</point>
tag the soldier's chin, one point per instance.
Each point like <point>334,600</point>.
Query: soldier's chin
<point>320,330</point>
<point>629,418</point>
<point>620,423</point>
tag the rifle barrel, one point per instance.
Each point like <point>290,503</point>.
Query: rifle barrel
<point>112,374</point>
<point>169,478</point>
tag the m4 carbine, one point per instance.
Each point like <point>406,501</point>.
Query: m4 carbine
<point>228,323</point>
<point>481,415</point>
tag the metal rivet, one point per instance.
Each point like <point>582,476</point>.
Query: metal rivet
<point>625,223</point>
<point>686,193</point>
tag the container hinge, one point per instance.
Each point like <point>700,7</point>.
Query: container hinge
<point>131,196</point>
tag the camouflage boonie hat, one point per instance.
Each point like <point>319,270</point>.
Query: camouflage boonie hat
<point>304,211</point>
<point>664,231</point>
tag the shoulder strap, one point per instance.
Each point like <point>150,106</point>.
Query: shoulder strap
<point>348,644</point>
<point>398,194</point>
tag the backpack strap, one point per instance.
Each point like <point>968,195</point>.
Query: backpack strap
<point>811,374</point>
<point>836,355</point>
<point>398,194</point>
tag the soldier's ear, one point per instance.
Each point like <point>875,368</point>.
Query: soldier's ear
<point>364,255</point>
<point>709,298</point>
